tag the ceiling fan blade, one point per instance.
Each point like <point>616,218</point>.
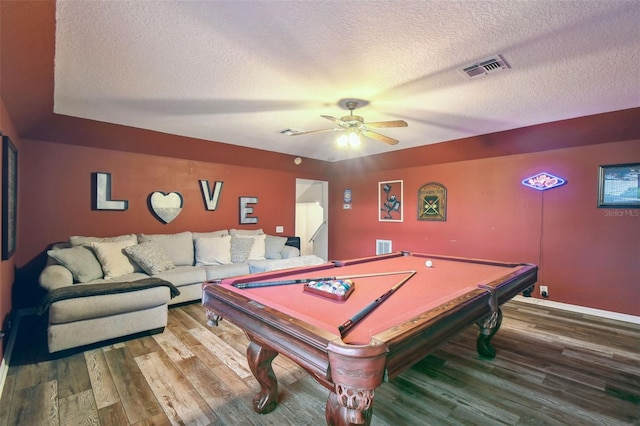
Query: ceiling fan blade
<point>394,123</point>
<point>377,136</point>
<point>311,131</point>
<point>330,118</point>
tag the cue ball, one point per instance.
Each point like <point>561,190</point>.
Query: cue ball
<point>428,263</point>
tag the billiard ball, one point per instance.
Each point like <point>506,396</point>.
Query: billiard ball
<point>428,263</point>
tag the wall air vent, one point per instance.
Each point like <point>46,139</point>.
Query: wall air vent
<point>383,246</point>
<point>487,66</point>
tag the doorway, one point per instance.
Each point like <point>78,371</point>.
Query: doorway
<point>312,217</point>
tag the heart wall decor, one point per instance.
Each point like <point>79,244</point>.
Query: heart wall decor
<point>165,207</point>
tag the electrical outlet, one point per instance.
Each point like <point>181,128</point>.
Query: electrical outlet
<point>544,291</point>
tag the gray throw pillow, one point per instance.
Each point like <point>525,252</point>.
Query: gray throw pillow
<point>240,249</point>
<point>273,246</point>
<point>150,256</point>
<point>80,261</point>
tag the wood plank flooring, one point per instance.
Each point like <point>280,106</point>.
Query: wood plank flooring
<point>552,368</point>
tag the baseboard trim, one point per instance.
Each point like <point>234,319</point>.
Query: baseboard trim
<point>8,351</point>
<point>580,309</point>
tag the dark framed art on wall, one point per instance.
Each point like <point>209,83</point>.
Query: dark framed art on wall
<point>9,197</point>
<point>432,202</point>
<point>619,185</point>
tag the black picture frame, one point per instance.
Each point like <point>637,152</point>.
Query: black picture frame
<point>9,197</point>
<point>619,185</point>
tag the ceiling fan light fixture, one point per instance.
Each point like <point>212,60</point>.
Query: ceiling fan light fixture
<point>349,140</point>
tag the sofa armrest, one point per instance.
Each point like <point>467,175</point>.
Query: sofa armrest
<point>288,252</point>
<point>293,242</point>
<point>55,276</point>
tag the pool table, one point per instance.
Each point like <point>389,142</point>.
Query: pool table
<point>424,309</point>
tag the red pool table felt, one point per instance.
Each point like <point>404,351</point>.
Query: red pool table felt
<point>429,288</point>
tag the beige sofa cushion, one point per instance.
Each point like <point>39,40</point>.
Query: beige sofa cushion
<point>179,247</point>
<point>84,308</point>
<point>258,231</point>
<point>183,275</point>
<point>219,272</point>
<point>210,234</point>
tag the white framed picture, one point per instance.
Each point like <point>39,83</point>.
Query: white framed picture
<point>390,201</point>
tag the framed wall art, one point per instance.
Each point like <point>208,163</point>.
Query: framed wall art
<point>619,185</point>
<point>390,207</point>
<point>432,202</point>
<point>9,197</point>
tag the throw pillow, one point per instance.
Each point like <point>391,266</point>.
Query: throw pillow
<point>80,261</point>
<point>112,258</point>
<point>150,256</point>
<point>246,231</point>
<point>240,249</point>
<point>273,246</point>
<point>257,248</point>
<point>213,251</point>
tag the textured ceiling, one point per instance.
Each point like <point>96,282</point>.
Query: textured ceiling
<point>239,72</point>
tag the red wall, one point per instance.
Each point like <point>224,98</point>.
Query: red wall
<point>57,200</point>
<point>55,192</point>
<point>587,255</point>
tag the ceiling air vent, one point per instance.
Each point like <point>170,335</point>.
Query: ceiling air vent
<point>490,65</point>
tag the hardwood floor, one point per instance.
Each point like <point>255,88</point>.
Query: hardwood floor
<point>552,367</point>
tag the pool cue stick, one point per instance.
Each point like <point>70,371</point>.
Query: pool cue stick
<point>348,324</point>
<point>306,280</point>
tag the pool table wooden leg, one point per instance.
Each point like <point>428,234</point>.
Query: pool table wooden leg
<point>488,327</point>
<point>356,370</point>
<point>347,407</point>
<point>260,359</point>
<point>213,318</point>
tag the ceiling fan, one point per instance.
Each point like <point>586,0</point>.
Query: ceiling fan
<point>355,125</point>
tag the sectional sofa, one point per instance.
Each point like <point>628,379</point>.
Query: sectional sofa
<point>99,288</point>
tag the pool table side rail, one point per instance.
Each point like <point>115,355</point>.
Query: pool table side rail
<point>295,339</point>
<point>510,286</point>
<point>412,340</point>
<point>365,259</point>
<point>467,260</point>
